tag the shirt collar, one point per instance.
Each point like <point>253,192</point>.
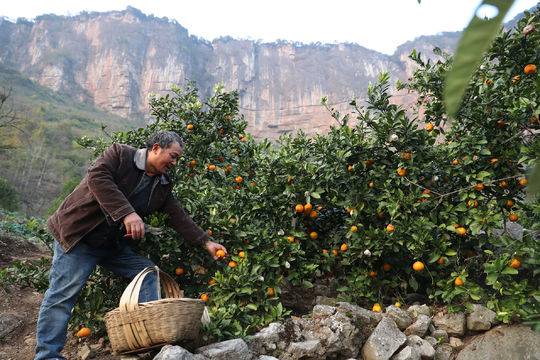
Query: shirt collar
<point>140,162</point>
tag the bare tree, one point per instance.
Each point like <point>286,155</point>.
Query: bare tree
<point>8,116</point>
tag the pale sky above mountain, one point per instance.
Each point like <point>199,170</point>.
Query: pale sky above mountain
<point>380,25</point>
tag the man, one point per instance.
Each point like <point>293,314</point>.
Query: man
<point>93,222</point>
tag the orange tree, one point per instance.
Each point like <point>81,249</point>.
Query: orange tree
<point>402,206</point>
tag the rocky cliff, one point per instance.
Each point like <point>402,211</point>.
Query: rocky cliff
<point>115,60</point>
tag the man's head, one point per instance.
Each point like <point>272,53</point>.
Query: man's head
<point>164,149</point>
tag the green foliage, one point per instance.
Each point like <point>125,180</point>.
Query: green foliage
<point>9,199</point>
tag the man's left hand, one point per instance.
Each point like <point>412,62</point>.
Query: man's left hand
<point>212,247</point>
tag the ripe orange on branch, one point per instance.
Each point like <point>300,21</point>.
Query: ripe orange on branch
<point>515,263</point>
<point>313,235</point>
<point>458,281</point>
<point>390,228</point>
<point>529,69</point>
<point>418,266</point>
<point>220,254</point>
<point>513,217</point>
<point>83,332</point>
<point>401,171</point>
<point>299,208</point>
<point>179,271</point>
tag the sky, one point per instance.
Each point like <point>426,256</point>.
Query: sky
<point>380,25</point>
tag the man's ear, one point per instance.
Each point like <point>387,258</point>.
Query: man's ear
<point>156,147</point>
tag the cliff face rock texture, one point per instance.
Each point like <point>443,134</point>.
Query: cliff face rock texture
<point>115,60</point>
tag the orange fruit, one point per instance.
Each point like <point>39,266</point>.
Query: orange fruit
<point>488,82</point>
<point>241,254</point>
<point>493,161</point>
<point>371,184</point>
<point>238,179</point>
<point>369,162</point>
<point>418,266</point>
<point>212,281</point>
<point>523,182</point>
<point>83,332</point>
<point>179,271</point>
<point>529,69</point>
<point>209,232</point>
<point>204,297</point>
<point>472,203</point>
<point>513,217</point>
<point>455,162</point>
<point>515,263</point>
<point>401,171</point>
<point>479,187</point>
<point>429,126</point>
<point>324,251</point>
<point>344,247</point>
<point>189,127</point>
<point>461,231</point>
<point>193,163</point>
<point>406,155</point>
<point>397,304</point>
<point>373,274</point>
<point>313,214</point>
<point>270,292</point>
<point>349,168</point>
<point>313,235</point>
<point>308,208</point>
<point>228,168</point>
<point>503,184</point>
<point>441,260</point>
<point>211,167</point>
<point>220,253</point>
<point>509,203</point>
<point>501,124</point>
<point>290,239</point>
<point>458,281</point>
<point>390,228</point>
<point>376,308</point>
<point>387,267</point>
<point>232,264</point>
<point>335,252</point>
<point>516,79</point>
<point>426,192</point>
<point>354,228</point>
<point>299,208</point>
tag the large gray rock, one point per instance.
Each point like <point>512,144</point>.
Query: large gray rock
<point>311,349</point>
<point>443,352</point>
<point>503,343</point>
<point>9,323</point>
<point>420,326</point>
<point>401,317</point>
<point>231,349</point>
<point>169,352</point>
<point>423,347</point>
<point>323,311</point>
<point>359,314</point>
<point>514,230</point>
<point>453,324</point>
<point>416,310</point>
<point>408,353</point>
<point>266,357</point>
<point>480,318</point>
<point>266,340</point>
<point>384,341</point>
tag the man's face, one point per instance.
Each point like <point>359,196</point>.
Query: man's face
<point>160,160</point>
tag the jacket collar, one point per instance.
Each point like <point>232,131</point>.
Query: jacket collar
<point>140,162</point>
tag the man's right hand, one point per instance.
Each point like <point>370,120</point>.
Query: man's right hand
<point>134,226</point>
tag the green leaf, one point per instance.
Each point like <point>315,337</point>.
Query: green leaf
<point>510,271</point>
<point>475,40</point>
<point>474,297</point>
<point>450,252</point>
<point>534,180</point>
<point>315,195</point>
<point>252,306</point>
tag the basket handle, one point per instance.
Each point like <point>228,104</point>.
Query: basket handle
<point>136,333</point>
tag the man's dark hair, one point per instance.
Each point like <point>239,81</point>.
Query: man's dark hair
<point>164,139</point>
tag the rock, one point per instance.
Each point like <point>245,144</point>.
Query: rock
<point>266,357</point>
<point>408,353</point>
<point>384,341</point>
<point>514,230</point>
<point>169,352</point>
<point>323,311</point>
<point>424,348</point>
<point>231,349</point>
<point>85,352</point>
<point>416,310</point>
<point>324,300</point>
<point>431,340</point>
<point>8,324</point>
<point>453,324</point>
<point>420,326</point>
<point>305,349</point>
<point>266,340</point>
<point>359,314</point>
<point>401,317</point>
<point>455,343</point>
<point>443,352</point>
<point>503,343</point>
<point>480,318</point>
<point>440,335</point>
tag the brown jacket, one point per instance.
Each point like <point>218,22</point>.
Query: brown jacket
<point>104,192</point>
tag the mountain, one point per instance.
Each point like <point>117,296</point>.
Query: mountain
<point>114,60</point>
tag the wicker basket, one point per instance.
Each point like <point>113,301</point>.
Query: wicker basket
<point>134,327</point>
